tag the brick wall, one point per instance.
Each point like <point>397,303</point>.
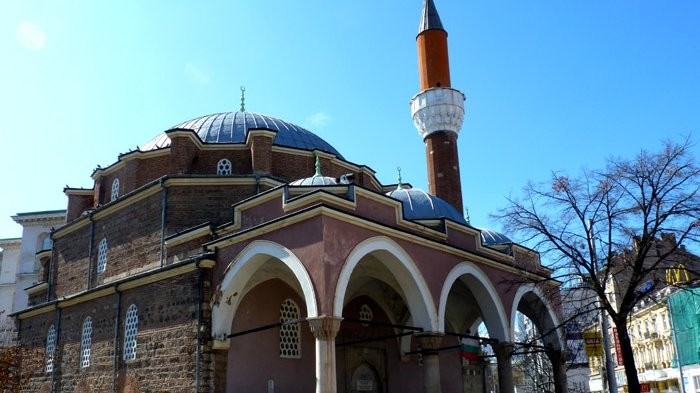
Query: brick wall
<point>189,206</point>
<point>133,239</point>
<point>33,333</point>
<point>69,270</point>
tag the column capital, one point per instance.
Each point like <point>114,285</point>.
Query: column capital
<point>503,348</point>
<point>429,340</point>
<point>324,327</point>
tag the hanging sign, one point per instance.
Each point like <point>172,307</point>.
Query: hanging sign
<point>593,344</point>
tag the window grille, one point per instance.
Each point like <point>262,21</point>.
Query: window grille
<point>131,326</point>
<point>289,334</point>
<point>86,343</point>
<point>366,313</point>
<point>102,255</point>
<point>224,167</point>
<point>115,189</point>
<point>50,348</point>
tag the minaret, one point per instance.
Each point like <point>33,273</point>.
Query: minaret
<point>438,110</point>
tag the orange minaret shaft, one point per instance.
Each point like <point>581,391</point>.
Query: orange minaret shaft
<point>433,59</point>
<point>438,110</point>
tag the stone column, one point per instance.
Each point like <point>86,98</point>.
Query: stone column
<point>473,376</point>
<point>504,357</point>
<point>558,360</point>
<point>324,329</point>
<point>430,343</point>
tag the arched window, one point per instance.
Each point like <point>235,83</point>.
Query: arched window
<point>224,167</point>
<point>86,343</point>
<point>131,327</point>
<point>45,242</point>
<point>289,333</point>
<point>102,255</point>
<point>50,348</point>
<point>115,189</point>
<point>366,314</point>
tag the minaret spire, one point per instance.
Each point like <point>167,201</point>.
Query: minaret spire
<point>438,110</point>
<point>430,19</point>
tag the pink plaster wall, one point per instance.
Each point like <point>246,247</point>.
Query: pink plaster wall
<point>254,359</point>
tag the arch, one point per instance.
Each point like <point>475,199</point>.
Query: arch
<point>415,289</point>
<point>551,322</point>
<point>240,271</point>
<point>486,295</point>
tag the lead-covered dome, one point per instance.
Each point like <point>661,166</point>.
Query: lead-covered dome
<point>490,237</point>
<point>419,205</point>
<point>232,127</point>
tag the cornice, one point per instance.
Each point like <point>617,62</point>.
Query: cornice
<point>159,274</point>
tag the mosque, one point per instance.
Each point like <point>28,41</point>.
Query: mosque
<point>237,252</point>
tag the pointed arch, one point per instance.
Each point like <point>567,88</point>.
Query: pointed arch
<point>240,271</point>
<point>550,321</point>
<point>399,262</point>
<point>486,295</point>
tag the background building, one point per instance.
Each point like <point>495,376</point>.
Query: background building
<point>655,331</point>
<point>20,264</point>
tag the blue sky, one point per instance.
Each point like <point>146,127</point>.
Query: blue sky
<point>550,85</point>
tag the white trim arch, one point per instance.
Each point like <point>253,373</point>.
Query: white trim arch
<point>552,323</point>
<point>493,312</point>
<point>240,271</point>
<point>415,290</point>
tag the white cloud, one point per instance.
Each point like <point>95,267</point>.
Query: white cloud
<point>197,76</point>
<point>318,119</point>
<point>30,36</point>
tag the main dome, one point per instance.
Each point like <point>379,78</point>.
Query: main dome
<point>232,127</point>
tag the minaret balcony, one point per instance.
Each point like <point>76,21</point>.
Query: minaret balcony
<point>438,109</point>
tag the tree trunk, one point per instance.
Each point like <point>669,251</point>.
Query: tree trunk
<point>627,355</point>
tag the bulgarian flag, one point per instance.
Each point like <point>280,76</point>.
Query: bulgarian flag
<point>469,348</point>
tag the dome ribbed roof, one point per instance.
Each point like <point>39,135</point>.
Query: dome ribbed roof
<point>490,237</point>
<point>232,127</point>
<point>315,181</point>
<point>419,205</point>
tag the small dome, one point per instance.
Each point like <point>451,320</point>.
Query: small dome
<point>232,127</point>
<point>314,181</point>
<point>419,205</point>
<point>490,237</point>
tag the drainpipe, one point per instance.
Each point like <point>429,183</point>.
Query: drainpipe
<point>115,361</point>
<point>198,354</point>
<point>92,240</point>
<point>52,262</point>
<point>162,221</point>
<point>56,364</point>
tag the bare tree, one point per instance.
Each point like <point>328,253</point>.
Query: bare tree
<point>529,360</point>
<point>616,230</point>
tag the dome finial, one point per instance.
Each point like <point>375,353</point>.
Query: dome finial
<point>318,165</point>
<point>398,178</point>
<point>466,216</point>
<point>242,98</point>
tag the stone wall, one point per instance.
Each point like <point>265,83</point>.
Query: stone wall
<point>166,341</point>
